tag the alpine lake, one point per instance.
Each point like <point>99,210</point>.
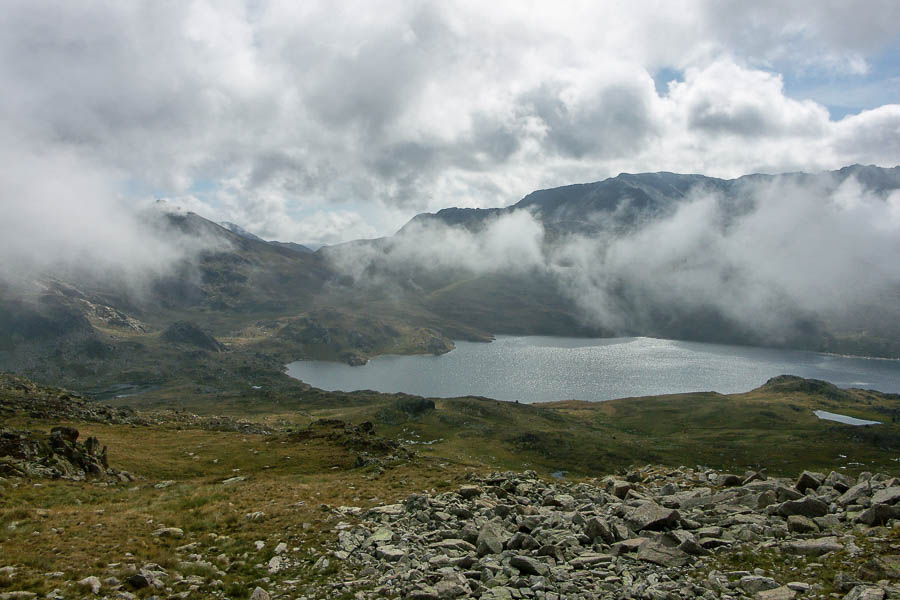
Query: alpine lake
<point>541,369</point>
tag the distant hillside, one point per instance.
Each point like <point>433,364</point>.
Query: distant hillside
<point>624,201</point>
<point>235,228</point>
<point>577,220</point>
<point>454,274</point>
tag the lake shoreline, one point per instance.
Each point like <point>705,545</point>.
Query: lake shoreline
<point>552,369</point>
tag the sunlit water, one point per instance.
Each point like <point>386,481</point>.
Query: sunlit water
<point>536,369</point>
<point>830,416</point>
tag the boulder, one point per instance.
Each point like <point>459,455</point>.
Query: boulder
<point>628,546</point>
<point>390,553</point>
<point>597,527</point>
<point>68,434</point>
<point>813,547</point>
<point>809,480</point>
<point>172,532</point>
<point>652,516</point>
<point>801,524</point>
<point>590,559</point>
<point>91,583</point>
<point>779,593</point>
<point>806,507</point>
<point>529,566</point>
<point>878,514</point>
<point>259,594</point>
<point>657,553</point>
<point>865,592</point>
<point>886,496</point>
<point>838,481</point>
<point>856,492</point>
<point>490,539</point>
<point>470,491</point>
<point>756,583</point>
<point>619,488</point>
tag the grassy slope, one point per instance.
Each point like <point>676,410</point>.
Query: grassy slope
<point>773,426</point>
<point>43,529</point>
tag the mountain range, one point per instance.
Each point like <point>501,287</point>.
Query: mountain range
<point>567,261</point>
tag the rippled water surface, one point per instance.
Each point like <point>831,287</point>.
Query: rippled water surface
<point>535,369</point>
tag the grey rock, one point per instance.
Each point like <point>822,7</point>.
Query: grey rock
<point>597,527</point>
<point>274,564</point>
<point>806,507</point>
<point>779,593</point>
<point>766,498</point>
<point>470,491</point>
<point>259,594</point>
<point>389,509</point>
<point>652,516</point>
<point>878,514</point>
<point>757,583</point>
<point>529,566</point>
<point>390,553</point>
<point>801,524</point>
<point>522,541</point>
<point>865,592</point>
<point>827,522</point>
<point>628,546</point>
<point>619,488</point>
<point>809,480</point>
<point>785,493</point>
<point>590,559</point>
<point>497,593</point>
<point>886,496</point>
<point>454,544</point>
<point>838,481</point>
<point>852,496</point>
<point>92,583</point>
<point>171,532</point>
<point>657,553</point>
<point>814,547</point>
<point>490,539</point>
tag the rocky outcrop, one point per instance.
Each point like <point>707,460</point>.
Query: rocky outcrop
<point>58,456</point>
<point>21,395</point>
<point>657,535</point>
<point>373,450</point>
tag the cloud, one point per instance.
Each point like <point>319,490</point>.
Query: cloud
<point>373,113</point>
<point>813,250</point>
<point>511,243</point>
<point>770,261</point>
<point>724,98</point>
<point>62,216</point>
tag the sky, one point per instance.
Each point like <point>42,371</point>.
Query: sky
<point>321,122</point>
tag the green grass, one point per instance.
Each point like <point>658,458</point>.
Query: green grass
<point>43,527</point>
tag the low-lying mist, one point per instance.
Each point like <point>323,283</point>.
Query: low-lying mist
<point>65,219</point>
<point>774,259</point>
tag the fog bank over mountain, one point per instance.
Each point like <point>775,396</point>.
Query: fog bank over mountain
<point>770,259</point>
<point>65,218</point>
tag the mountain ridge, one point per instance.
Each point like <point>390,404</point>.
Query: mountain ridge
<point>269,304</point>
